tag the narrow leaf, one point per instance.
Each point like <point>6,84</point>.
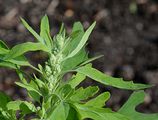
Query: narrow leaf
<point>4,99</point>
<point>20,49</point>
<point>45,30</point>
<point>3,45</point>
<point>3,51</point>
<point>82,42</point>
<point>28,87</point>
<point>90,60</point>
<point>7,64</point>
<point>29,28</point>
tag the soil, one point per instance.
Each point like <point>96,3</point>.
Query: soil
<point>126,34</point>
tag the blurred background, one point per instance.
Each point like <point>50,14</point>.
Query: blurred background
<point>126,34</point>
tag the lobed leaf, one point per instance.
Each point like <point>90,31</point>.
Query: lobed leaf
<point>99,101</point>
<point>98,113</point>
<point>24,106</point>
<point>129,107</point>
<point>83,94</point>
<point>110,81</point>
<point>76,80</point>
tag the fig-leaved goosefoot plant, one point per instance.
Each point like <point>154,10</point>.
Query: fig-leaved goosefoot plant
<point>53,97</point>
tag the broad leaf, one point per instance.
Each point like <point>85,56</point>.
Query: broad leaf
<point>77,26</point>
<point>108,80</point>
<point>73,114</point>
<point>60,112</point>
<point>129,108</point>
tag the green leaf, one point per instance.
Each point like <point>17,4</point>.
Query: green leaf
<point>34,95</point>
<point>75,38</point>
<point>65,91</point>
<point>24,106</point>
<point>45,30</point>
<point>20,49</point>
<point>76,80</point>
<point>4,99</point>
<point>129,108</point>
<point>110,81</point>
<point>7,64</point>
<point>3,45</point>
<point>21,61</point>
<point>99,101</point>
<point>77,26</point>
<point>14,105</point>
<point>60,112</point>
<point>32,31</point>
<point>32,89</point>
<point>39,82</point>
<point>83,94</point>
<point>28,87</point>
<point>82,41</point>
<point>98,113</point>
<point>74,61</point>
<point>3,51</point>
<point>73,114</point>
<point>4,115</point>
<point>90,60</point>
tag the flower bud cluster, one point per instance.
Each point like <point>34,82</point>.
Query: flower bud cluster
<point>53,66</point>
